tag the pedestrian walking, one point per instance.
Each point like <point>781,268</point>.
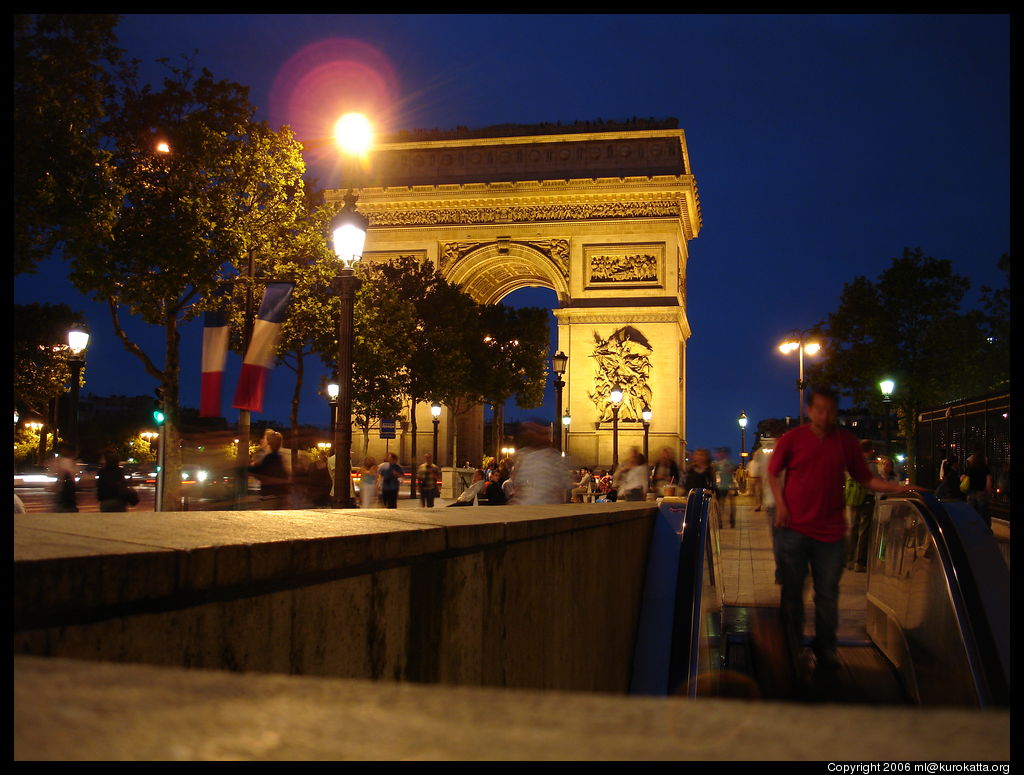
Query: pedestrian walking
<point>724,483</point>
<point>700,475</point>
<point>427,476</point>
<point>64,468</point>
<point>861,502</point>
<point>979,485</point>
<point>539,472</point>
<point>666,471</point>
<point>389,478</point>
<point>631,478</point>
<point>268,467</point>
<point>319,482</point>
<point>112,492</point>
<point>806,474</point>
<point>368,484</point>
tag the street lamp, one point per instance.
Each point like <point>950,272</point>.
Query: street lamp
<point>558,362</point>
<point>332,402</point>
<point>887,386</point>
<point>347,237</point>
<point>566,419</point>
<point>743,438</point>
<point>435,412</point>
<point>646,415</point>
<point>800,341</point>
<point>78,343</point>
<point>616,397</point>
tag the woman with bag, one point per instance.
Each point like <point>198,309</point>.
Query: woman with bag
<point>112,491</point>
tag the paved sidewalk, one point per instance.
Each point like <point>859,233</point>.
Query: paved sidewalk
<point>748,569</point>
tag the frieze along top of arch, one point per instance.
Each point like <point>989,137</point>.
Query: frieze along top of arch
<point>531,157</point>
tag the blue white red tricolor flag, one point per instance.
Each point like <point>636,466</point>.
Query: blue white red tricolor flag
<point>259,359</point>
<point>215,353</point>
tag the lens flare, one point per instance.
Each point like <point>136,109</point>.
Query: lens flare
<point>328,79</point>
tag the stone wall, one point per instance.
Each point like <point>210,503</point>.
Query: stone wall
<point>542,597</point>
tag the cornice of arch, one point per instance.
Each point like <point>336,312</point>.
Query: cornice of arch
<point>660,196</point>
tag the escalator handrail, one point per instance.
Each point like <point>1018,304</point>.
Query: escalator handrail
<point>689,589</point>
<point>982,653</point>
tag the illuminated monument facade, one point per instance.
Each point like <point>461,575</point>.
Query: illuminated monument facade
<point>602,216</point>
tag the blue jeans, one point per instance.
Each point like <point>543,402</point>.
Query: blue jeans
<point>826,559</point>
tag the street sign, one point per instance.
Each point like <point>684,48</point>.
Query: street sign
<point>387,429</point>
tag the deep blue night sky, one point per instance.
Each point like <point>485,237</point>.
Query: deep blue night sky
<point>822,146</point>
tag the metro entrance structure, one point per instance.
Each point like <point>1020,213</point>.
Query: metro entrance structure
<point>603,216</point>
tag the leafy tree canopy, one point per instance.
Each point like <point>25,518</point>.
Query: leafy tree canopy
<point>41,369</point>
<point>907,325</point>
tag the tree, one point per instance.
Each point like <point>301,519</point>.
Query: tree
<point>907,326</point>
<point>64,71</point>
<point>513,359</point>
<point>174,224</point>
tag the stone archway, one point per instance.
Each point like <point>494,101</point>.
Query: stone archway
<point>489,271</point>
<point>604,218</point>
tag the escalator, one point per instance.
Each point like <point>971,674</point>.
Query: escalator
<point>937,616</point>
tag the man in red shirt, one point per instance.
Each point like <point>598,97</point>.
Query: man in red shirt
<point>810,516</point>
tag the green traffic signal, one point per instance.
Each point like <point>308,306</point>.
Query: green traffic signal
<point>158,416</point>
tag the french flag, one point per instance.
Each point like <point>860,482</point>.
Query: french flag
<point>259,359</point>
<point>215,354</point>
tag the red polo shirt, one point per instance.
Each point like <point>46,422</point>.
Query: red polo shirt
<point>816,469</point>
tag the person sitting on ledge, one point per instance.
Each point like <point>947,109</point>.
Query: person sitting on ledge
<point>472,494</point>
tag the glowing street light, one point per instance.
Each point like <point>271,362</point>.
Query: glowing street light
<point>887,386</point>
<point>435,413</point>
<point>646,416</point>
<point>353,134</point>
<point>616,398</point>
<point>799,341</point>
<point>566,420</point>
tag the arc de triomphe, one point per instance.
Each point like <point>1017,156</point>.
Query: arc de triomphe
<point>604,218</point>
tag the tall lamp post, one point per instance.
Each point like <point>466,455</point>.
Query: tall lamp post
<point>78,343</point>
<point>743,439</point>
<point>802,342</point>
<point>887,386</point>
<point>646,415</point>
<point>558,362</point>
<point>348,235</point>
<point>435,413</point>
<point>566,419</point>
<point>616,396</point>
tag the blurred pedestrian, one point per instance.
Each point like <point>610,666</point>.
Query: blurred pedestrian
<point>427,476</point>
<point>390,477</point>
<point>112,492</point>
<point>754,478</point>
<point>268,467</point>
<point>494,493</point>
<point>949,486</point>
<point>724,484</point>
<point>318,482</point>
<point>666,471</point>
<point>631,478</point>
<point>64,468</point>
<point>861,504</point>
<point>700,475</point>
<point>368,484</point>
<point>979,485</point>
<point>539,472</point>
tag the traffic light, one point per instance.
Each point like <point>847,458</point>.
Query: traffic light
<point>158,407</point>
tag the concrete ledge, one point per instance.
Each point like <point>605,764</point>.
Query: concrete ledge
<point>543,597</point>
<point>69,710</point>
